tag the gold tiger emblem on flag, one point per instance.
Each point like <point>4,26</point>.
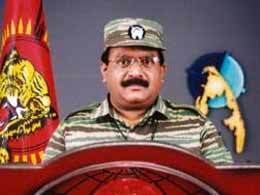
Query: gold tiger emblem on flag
<point>24,100</point>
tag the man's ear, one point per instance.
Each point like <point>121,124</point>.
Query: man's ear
<point>163,72</point>
<point>103,70</point>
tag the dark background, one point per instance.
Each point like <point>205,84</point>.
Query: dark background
<point>192,28</point>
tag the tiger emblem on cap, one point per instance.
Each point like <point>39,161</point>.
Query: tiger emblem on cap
<point>136,32</point>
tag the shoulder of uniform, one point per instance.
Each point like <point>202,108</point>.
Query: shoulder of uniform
<point>184,108</point>
<point>85,112</point>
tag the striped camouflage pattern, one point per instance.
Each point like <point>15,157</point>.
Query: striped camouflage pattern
<point>116,33</point>
<point>176,125</point>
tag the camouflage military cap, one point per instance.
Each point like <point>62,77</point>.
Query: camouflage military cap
<point>133,32</point>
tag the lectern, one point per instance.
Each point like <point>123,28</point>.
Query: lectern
<point>129,168</point>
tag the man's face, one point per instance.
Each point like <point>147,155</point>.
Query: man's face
<point>133,77</point>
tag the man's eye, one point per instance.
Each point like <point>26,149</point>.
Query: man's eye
<point>146,61</point>
<point>125,62</point>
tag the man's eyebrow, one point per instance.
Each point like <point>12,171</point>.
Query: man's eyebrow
<point>122,56</point>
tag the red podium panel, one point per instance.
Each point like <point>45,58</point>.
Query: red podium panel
<point>129,168</point>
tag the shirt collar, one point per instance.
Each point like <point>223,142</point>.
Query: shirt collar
<point>158,107</point>
<point>103,109</point>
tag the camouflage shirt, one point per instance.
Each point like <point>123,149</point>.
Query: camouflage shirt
<point>164,122</point>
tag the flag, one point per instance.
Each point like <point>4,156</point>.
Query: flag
<point>28,106</point>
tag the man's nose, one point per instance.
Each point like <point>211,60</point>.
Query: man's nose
<point>135,70</point>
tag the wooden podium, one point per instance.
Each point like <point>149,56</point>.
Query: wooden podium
<point>129,168</point>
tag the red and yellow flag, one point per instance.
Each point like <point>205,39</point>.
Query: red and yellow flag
<point>28,107</point>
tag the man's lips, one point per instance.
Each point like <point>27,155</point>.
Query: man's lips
<point>135,88</point>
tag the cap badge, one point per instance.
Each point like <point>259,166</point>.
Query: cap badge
<point>136,32</point>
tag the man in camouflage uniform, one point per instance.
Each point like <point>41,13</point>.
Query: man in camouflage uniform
<point>133,71</point>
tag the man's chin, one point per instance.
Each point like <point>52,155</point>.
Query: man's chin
<point>136,101</point>
<point>135,97</point>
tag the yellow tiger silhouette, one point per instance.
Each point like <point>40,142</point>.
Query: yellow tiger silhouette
<point>25,98</point>
<point>217,86</point>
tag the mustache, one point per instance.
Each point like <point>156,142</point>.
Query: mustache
<point>135,81</point>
